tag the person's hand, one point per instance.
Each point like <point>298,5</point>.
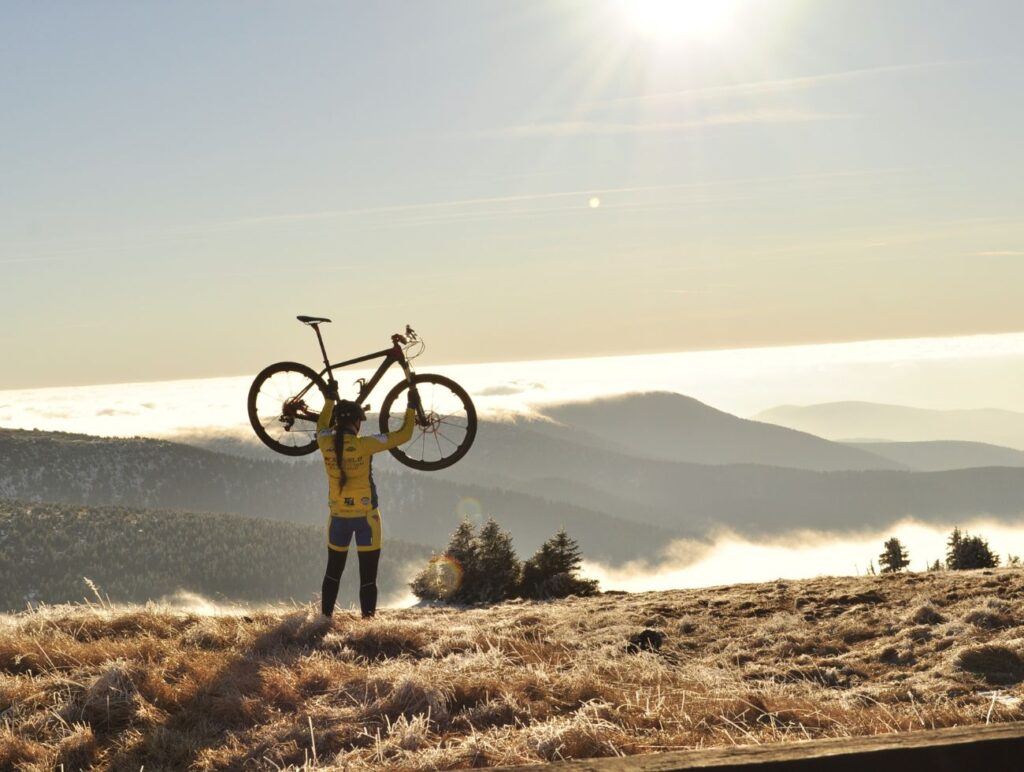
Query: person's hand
<point>332,392</point>
<point>414,400</point>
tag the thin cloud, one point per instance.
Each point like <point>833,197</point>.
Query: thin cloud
<point>433,205</point>
<point>450,204</point>
<point>778,85</point>
<point>595,128</point>
<point>998,253</point>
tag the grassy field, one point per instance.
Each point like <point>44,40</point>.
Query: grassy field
<point>528,682</point>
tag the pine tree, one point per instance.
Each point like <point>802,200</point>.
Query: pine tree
<point>551,572</point>
<point>965,552</point>
<point>498,568</point>
<point>894,557</point>
<point>953,548</point>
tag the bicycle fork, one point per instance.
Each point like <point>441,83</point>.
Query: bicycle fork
<point>421,416</point>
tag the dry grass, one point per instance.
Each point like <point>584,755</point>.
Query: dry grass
<point>89,687</point>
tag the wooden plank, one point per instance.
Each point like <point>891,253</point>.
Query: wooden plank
<point>994,748</point>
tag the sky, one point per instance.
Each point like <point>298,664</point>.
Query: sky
<point>521,180</point>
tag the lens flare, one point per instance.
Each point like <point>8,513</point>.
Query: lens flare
<point>469,508</point>
<point>443,576</point>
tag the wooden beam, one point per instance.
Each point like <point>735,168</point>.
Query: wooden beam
<point>994,748</point>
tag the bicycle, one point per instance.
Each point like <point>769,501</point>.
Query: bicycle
<point>286,398</point>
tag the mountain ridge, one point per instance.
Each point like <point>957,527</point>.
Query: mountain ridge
<point>901,423</point>
<point>674,427</point>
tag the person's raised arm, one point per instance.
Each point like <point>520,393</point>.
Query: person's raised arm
<point>401,435</point>
<point>324,421</point>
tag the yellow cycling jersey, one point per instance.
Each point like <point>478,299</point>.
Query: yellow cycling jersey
<point>359,495</point>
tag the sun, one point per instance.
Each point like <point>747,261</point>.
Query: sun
<point>675,20</point>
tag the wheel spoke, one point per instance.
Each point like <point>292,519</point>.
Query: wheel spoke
<point>457,426</point>
<point>449,440</point>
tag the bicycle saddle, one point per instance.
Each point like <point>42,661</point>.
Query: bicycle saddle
<point>312,319</point>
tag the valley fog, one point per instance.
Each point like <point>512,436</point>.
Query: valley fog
<point>729,558</point>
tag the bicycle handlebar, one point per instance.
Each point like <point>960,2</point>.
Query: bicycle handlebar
<point>410,336</point>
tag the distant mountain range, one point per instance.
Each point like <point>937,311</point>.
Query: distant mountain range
<point>869,421</point>
<point>673,427</point>
<point>612,472</point>
<point>943,455</point>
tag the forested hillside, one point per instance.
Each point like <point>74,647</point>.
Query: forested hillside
<point>420,508</point>
<point>135,555</point>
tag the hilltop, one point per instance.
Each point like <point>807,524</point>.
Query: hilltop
<point>439,688</point>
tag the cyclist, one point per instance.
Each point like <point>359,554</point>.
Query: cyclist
<point>352,496</point>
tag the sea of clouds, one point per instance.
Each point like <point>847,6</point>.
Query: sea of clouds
<point>942,373</point>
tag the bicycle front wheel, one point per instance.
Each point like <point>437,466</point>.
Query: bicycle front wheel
<point>285,401</point>
<point>450,426</point>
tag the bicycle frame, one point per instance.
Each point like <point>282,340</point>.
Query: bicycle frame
<point>390,357</point>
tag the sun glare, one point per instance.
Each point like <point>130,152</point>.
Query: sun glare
<point>674,20</point>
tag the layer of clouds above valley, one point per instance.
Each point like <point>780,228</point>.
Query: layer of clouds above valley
<point>941,373</point>
<point>728,558</point>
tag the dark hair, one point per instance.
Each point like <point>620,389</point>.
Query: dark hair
<point>339,446</point>
<point>344,419</point>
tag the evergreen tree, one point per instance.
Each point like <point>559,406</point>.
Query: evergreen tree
<point>498,568</point>
<point>966,552</point>
<point>894,557</point>
<point>953,547</point>
<point>551,572</point>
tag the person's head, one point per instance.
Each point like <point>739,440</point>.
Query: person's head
<point>348,416</point>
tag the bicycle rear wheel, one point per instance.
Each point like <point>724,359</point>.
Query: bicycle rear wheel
<point>285,401</point>
<point>450,428</point>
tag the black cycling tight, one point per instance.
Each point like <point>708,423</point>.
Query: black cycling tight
<point>368,562</point>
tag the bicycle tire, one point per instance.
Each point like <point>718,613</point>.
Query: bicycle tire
<point>446,395</point>
<point>269,413</point>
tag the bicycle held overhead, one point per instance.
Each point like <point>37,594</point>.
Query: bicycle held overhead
<point>286,398</point>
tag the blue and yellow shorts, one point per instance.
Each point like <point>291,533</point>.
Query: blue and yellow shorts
<point>365,527</point>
